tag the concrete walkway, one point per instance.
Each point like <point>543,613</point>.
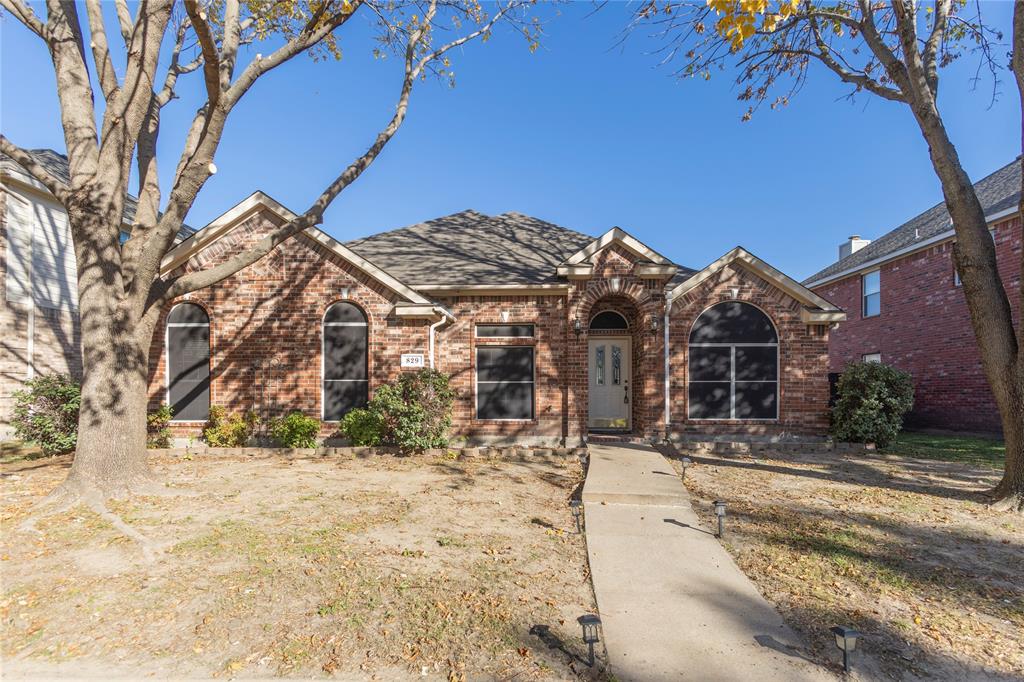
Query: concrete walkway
<point>673,604</point>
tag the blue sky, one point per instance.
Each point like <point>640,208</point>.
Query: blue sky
<point>582,133</point>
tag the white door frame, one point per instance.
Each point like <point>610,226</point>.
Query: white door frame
<point>627,349</point>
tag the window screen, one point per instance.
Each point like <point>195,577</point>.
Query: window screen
<point>733,364</point>
<point>504,330</point>
<point>504,382</point>
<point>871,284</point>
<point>346,383</point>
<point>188,362</point>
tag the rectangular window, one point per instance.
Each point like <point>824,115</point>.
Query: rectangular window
<point>512,331</point>
<point>871,289</point>
<point>871,357</point>
<point>734,381</point>
<point>504,382</point>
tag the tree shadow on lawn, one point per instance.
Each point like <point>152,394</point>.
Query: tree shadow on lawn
<point>924,477</point>
<point>936,568</point>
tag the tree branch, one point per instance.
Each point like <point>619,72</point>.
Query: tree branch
<point>36,170</point>
<point>101,50</point>
<point>27,17</point>
<point>124,19</point>
<point>862,81</point>
<point>211,56</point>
<point>934,42</point>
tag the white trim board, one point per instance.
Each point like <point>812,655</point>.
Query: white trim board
<point>617,235</point>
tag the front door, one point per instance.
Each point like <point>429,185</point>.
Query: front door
<point>609,372</point>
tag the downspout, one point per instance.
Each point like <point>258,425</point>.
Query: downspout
<point>668,379</point>
<point>445,317</point>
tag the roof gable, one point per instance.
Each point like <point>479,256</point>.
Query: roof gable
<point>617,235</point>
<point>818,310</point>
<point>998,192</point>
<point>258,201</point>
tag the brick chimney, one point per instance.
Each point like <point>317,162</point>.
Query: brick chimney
<point>852,245</point>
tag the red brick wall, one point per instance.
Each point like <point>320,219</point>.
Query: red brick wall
<point>803,358</point>
<point>265,327</point>
<point>924,328</point>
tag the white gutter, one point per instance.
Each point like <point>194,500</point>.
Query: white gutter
<point>445,317</point>
<point>668,392</point>
<point>898,253</point>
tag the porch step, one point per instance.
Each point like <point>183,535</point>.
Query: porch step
<point>749,446</point>
<point>611,438</point>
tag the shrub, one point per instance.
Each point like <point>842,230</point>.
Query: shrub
<point>223,430</point>
<point>295,430</point>
<point>416,411</point>
<point>871,401</point>
<point>158,432</point>
<point>46,413</point>
<point>361,427</point>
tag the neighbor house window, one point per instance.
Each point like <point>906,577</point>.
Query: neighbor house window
<point>871,289</point>
<point>485,331</point>
<point>188,362</point>
<point>871,357</point>
<point>346,383</point>
<point>733,364</point>
<point>504,382</point>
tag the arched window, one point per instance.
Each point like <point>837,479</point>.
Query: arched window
<point>734,364</point>
<point>188,362</point>
<point>344,356</point>
<point>608,320</point>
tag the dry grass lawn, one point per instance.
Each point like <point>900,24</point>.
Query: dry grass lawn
<point>902,549</point>
<point>357,568</point>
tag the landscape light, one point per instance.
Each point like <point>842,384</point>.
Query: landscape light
<point>720,513</point>
<point>591,625</point>
<point>687,463</point>
<point>577,513</point>
<point>846,641</point>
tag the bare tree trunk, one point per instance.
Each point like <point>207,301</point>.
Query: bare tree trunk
<point>110,456</point>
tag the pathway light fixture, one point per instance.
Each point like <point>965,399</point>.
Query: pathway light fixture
<point>591,625</point>
<point>576,506</point>
<point>720,513</point>
<point>846,641</point>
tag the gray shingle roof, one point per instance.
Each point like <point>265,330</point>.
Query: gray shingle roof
<point>57,165</point>
<point>471,248</point>
<point>997,192</point>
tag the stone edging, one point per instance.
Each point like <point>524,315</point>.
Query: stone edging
<point>518,453</point>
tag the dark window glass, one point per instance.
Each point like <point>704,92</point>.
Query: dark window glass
<point>342,312</point>
<point>710,364</point>
<point>346,384</point>
<point>756,400</point>
<point>733,322</point>
<point>504,382</point>
<point>187,313</point>
<point>188,363</point>
<point>511,330</point>
<point>609,319</point>
<point>733,365</point>
<point>709,400</point>
<point>757,363</point>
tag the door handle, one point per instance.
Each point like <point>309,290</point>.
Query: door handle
<point>625,398</point>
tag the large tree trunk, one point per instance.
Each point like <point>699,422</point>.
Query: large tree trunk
<point>987,301</point>
<point>110,457</point>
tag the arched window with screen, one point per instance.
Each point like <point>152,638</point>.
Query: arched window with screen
<point>346,383</point>
<point>188,362</point>
<point>734,364</point>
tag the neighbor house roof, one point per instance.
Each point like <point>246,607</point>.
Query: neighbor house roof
<point>57,165</point>
<point>999,194</point>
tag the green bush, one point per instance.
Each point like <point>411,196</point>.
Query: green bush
<point>361,427</point>
<point>229,431</point>
<point>295,430</point>
<point>871,403</point>
<point>416,411</point>
<point>158,432</point>
<point>46,413</point>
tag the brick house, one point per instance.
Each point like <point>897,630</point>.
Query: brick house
<point>905,306</point>
<point>548,334</point>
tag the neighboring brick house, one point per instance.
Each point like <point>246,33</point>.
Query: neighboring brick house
<point>39,331</point>
<point>906,307</point>
<point>548,334</point>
